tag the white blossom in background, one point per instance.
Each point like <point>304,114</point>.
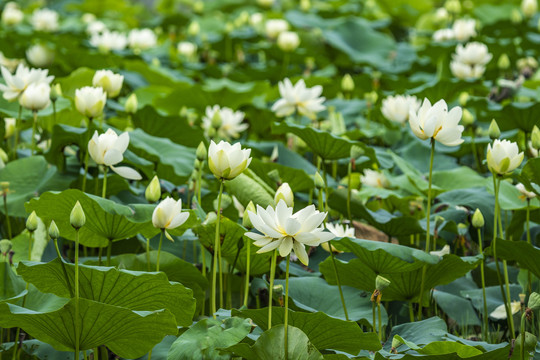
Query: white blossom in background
<point>437,122</point>
<point>525,194</point>
<point>18,82</point>
<point>230,121</point>
<point>142,39</point>
<point>281,229</point>
<point>109,40</point>
<point>187,49</point>
<point>307,101</point>
<point>96,27</point>
<point>500,311</point>
<point>396,108</point>
<point>341,230</point>
<point>109,81</point>
<point>45,20</point>
<point>441,15</point>
<point>108,149</point>
<point>288,41</point>
<point>374,179</point>
<point>39,55</point>
<point>473,53</point>
<point>12,14</point>
<point>529,7</point>
<point>256,19</point>
<point>443,35</point>
<point>273,27</point>
<point>90,101</point>
<point>36,96</point>
<point>464,29</point>
<point>444,251</point>
<point>464,71</point>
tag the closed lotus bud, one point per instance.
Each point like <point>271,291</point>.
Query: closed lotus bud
<point>504,62</point>
<point>54,233</point>
<point>305,5</point>
<point>477,219</point>
<point>288,41</point>
<point>347,83</point>
<point>153,191</point>
<point>32,222</point>
<point>529,7</point>
<point>535,137</point>
<point>77,218</point>
<point>319,181</point>
<point>56,92</point>
<point>201,152</point>
<point>381,283</point>
<point>463,98</point>
<point>40,56</point>
<point>36,96</point>
<point>453,6</point>
<point>462,229</point>
<point>534,301</point>
<point>246,222</point>
<point>467,118</point>
<point>131,104</point>
<point>193,29</point>
<point>5,246</point>
<point>284,193</point>
<point>494,131</point>
<point>9,127</point>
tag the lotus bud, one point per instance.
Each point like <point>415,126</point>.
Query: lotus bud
<point>193,29</point>
<point>477,219</point>
<point>274,176</point>
<point>288,41</point>
<point>522,298</point>
<point>463,98</point>
<point>462,229</point>
<point>5,246</point>
<point>381,283</point>
<point>198,7</point>
<point>3,156</point>
<point>319,181</point>
<point>197,165</point>
<point>347,83</point>
<point>246,222</point>
<point>201,152</point>
<point>494,131</point>
<point>131,104</point>
<point>54,233</point>
<point>467,118</point>
<point>504,62</point>
<point>77,218</point>
<point>32,222</point>
<point>284,193</point>
<point>153,191</point>
<point>534,301</point>
<point>535,137</point>
<point>56,92</point>
<point>371,97</point>
<point>529,7</point>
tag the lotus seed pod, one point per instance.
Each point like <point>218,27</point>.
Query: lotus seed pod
<point>347,83</point>
<point>319,181</point>
<point>153,191</point>
<point>381,283</point>
<point>131,104</point>
<point>77,217</point>
<point>246,222</point>
<point>201,152</point>
<point>478,219</point>
<point>534,301</point>
<point>467,118</point>
<point>494,131</point>
<point>54,233</point>
<point>32,222</point>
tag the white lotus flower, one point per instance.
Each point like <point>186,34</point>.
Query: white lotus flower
<point>437,122</point>
<point>142,39</point>
<point>441,15</point>
<point>288,41</point>
<point>307,101</point>
<point>465,71</point>
<point>109,81</point>
<point>503,157</point>
<point>168,215</point>
<point>90,101</point>
<point>396,108</point>
<point>108,149</point>
<point>500,311</point>
<point>36,96</point>
<point>374,179</point>
<point>187,49</point>
<point>39,55</point>
<point>227,161</point>
<point>12,14</point>
<point>273,27</point>
<point>95,27</point>
<point>18,82</point>
<point>231,121</point>
<point>45,20</point>
<point>341,230</point>
<point>529,7</point>
<point>109,40</point>
<point>525,194</point>
<point>474,53</point>
<point>284,193</point>
<point>464,29</point>
<point>283,230</point>
<point>443,35</point>
<point>256,19</point>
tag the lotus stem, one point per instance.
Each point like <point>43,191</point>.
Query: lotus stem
<point>159,249</point>
<point>34,125</point>
<point>6,213</point>
<point>104,189</point>
<point>217,243</point>
<point>380,321</point>
<point>63,266</point>
<point>528,232</point>
<point>349,190</point>
<point>411,312</point>
<point>374,312</point>
<point>86,154</point>
<point>77,334</point>
<point>286,340</point>
<point>203,256</point>
<point>248,268</point>
<point>522,332</point>
<point>16,140</point>
<point>482,275</point>
<point>271,290</point>
<point>147,254</point>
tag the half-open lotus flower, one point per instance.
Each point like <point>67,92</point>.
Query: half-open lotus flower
<point>437,122</point>
<point>227,161</point>
<point>503,157</point>
<point>108,149</point>
<point>18,82</point>
<point>168,215</point>
<point>281,229</point>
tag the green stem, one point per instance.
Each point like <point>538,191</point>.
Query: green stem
<point>109,251</point>
<point>34,125</point>
<point>54,111</point>
<point>508,297</point>
<point>6,213</point>
<point>374,312</point>
<point>77,333</point>
<point>349,191</point>
<point>86,154</point>
<point>30,238</point>
<point>203,255</point>
<point>148,254</point>
<point>199,186</point>
<point>217,243</point>
<point>248,266</point>
<point>286,340</point>
<point>380,321</point>
<point>428,218</point>
<point>411,311</point>
<point>104,190</point>
<point>159,249</point>
<point>150,355</point>
<point>482,275</point>
<point>338,281</point>
<point>63,267</point>
<point>522,332</point>
<point>528,232</point>
<point>18,121</point>
<point>475,151</point>
<point>271,290</point>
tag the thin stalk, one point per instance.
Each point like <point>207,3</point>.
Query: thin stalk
<point>349,191</point>
<point>104,189</point>
<point>34,125</point>
<point>148,254</point>
<point>528,232</point>
<point>159,249</point>
<point>109,251</point>
<point>507,286</point>
<point>6,213</point>
<point>77,334</point>
<point>411,312</point>
<point>248,266</point>
<point>428,238</point>
<point>217,243</point>
<point>203,255</point>
<point>150,355</point>
<point>86,154</point>
<point>380,321</point>
<point>522,332</point>
<point>199,186</point>
<point>271,290</point>
<point>475,151</point>
<point>63,267</point>
<point>85,357</point>
<point>374,312</point>
<point>496,214</point>
<point>54,111</point>
<point>286,340</point>
<point>30,241</point>
<point>482,275</point>
<point>96,353</point>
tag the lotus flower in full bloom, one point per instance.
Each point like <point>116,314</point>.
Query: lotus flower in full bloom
<point>307,101</point>
<point>230,121</point>
<point>397,108</point>
<point>18,82</point>
<point>436,122</point>
<point>281,229</point>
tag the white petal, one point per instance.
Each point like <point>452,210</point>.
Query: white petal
<point>127,173</point>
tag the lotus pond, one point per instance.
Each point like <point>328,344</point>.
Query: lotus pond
<point>269,179</point>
